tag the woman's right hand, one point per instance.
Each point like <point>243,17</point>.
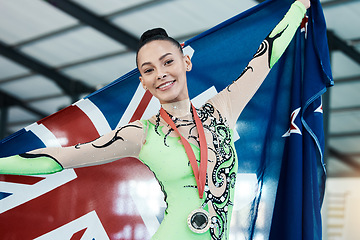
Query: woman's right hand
<point>306,3</point>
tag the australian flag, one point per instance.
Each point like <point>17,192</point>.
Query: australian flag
<point>281,142</point>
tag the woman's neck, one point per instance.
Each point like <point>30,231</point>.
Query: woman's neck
<point>178,109</point>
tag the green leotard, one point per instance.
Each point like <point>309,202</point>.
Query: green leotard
<point>158,146</point>
<point>166,157</point>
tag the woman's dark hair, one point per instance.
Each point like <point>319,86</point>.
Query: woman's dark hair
<point>153,35</point>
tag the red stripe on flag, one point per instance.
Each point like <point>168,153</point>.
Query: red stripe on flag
<point>28,180</point>
<point>71,126</point>
<point>78,235</point>
<point>142,106</point>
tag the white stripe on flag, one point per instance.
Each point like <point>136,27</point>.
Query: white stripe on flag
<point>22,193</point>
<point>45,135</point>
<point>152,109</point>
<point>188,50</point>
<point>201,99</point>
<point>90,221</point>
<point>134,103</point>
<point>95,115</point>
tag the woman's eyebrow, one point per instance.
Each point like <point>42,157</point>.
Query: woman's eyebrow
<point>160,58</point>
<point>145,63</point>
<point>164,56</point>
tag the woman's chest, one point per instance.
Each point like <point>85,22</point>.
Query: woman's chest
<point>165,155</point>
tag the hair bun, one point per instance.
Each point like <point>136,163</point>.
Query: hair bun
<point>154,35</point>
<point>156,32</point>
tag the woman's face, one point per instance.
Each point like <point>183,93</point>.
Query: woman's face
<point>163,71</point>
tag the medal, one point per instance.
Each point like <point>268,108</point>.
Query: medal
<point>199,221</point>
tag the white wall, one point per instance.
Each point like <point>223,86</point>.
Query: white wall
<point>341,209</point>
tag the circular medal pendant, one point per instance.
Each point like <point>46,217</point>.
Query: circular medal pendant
<point>199,221</point>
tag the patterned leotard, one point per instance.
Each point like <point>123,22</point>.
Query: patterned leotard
<point>165,156</point>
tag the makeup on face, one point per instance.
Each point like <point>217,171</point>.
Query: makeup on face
<point>163,71</point>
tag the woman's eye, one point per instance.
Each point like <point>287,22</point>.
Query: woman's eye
<point>169,62</point>
<point>148,70</point>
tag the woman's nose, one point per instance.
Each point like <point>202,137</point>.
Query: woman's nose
<point>161,76</point>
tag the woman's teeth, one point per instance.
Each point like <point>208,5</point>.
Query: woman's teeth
<point>165,85</point>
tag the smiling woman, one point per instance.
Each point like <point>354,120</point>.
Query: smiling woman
<point>190,151</point>
<point>163,66</point>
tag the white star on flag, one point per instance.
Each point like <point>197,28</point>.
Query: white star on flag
<point>293,127</point>
<point>319,109</point>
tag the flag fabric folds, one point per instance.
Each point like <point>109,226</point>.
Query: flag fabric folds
<point>281,133</point>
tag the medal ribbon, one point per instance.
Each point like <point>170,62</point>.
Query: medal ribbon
<point>200,175</point>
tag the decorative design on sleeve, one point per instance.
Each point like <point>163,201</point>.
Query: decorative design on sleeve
<point>273,55</point>
<point>178,123</point>
<point>266,46</point>
<point>114,139</point>
<point>243,72</point>
<point>32,155</point>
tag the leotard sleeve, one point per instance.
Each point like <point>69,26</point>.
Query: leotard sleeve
<point>123,142</point>
<point>233,99</point>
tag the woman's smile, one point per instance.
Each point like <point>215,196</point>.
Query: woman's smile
<point>167,85</point>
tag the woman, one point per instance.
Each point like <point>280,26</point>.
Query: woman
<point>198,183</point>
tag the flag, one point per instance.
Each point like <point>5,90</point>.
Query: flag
<point>280,150</point>
<point>302,176</point>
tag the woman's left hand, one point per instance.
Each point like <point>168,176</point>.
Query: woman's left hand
<point>305,2</point>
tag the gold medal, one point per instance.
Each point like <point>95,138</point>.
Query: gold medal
<point>199,221</point>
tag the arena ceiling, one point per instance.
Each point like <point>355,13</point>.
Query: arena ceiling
<point>54,52</point>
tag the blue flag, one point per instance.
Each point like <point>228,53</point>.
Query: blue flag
<point>281,130</point>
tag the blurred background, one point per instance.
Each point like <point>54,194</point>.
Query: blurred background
<point>52,54</point>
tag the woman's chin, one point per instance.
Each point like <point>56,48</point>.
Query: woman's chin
<point>170,95</point>
<point>171,99</point>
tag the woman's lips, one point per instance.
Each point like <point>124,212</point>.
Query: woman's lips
<point>166,86</point>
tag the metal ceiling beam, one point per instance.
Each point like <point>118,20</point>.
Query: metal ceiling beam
<point>74,27</point>
<point>347,80</point>
<point>354,155</point>
<point>345,159</point>
<point>4,116</point>
<point>347,174</point>
<point>61,67</point>
<point>8,100</point>
<point>96,22</point>
<point>336,43</point>
<point>46,35</point>
<point>336,3</point>
<point>345,109</point>
<point>136,8</point>
<point>345,134</point>
<point>68,85</point>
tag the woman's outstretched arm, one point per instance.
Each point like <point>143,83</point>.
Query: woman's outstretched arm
<point>123,142</point>
<point>239,93</point>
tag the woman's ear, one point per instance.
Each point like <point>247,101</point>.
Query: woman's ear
<point>188,63</point>
<point>143,84</point>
